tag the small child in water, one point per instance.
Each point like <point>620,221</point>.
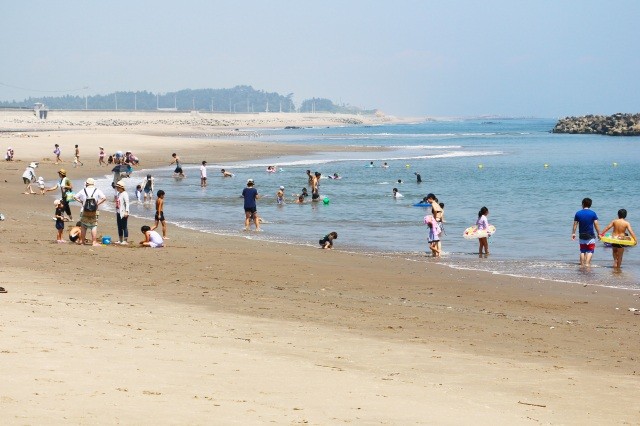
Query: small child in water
<point>327,241</point>
<point>434,235</point>
<point>139,193</point>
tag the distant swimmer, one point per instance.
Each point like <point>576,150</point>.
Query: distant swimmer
<point>418,177</point>
<point>226,173</point>
<point>335,176</point>
<point>385,165</point>
<point>396,194</point>
<point>370,164</point>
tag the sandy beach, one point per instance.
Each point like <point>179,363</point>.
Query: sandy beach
<point>222,330</point>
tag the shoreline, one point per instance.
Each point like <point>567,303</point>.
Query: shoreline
<point>251,331</point>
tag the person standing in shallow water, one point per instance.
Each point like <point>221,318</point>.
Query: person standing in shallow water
<point>586,222</point>
<point>250,195</point>
<point>178,170</point>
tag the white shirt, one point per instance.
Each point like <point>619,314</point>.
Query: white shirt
<point>124,203</point>
<point>30,174</point>
<point>81,196</point>
<point>203,171</point>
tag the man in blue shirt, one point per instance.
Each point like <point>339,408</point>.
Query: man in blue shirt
<point>250,195</point>
<point>585,221</point>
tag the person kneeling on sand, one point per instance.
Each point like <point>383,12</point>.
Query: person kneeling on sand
<point>151,238</point>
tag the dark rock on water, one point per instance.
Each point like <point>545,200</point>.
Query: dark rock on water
<point>611,125</point>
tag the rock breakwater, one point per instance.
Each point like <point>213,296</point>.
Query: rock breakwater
<point>611,125</point>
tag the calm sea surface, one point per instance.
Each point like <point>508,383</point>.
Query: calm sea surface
<point>467,164</point>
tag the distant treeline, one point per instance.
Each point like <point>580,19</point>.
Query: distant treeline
<point>237,99</point>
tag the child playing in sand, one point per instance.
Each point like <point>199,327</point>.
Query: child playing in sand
<point>434,235</point>
<point>151,238</point>
<point>327,241</point>
<point>75,231</point>
<point>620,228</point>
<point>483,225</point>
<point>59,216</point>
<point>160,214</point>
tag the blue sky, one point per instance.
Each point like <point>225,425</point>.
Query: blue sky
<point>408,58</point>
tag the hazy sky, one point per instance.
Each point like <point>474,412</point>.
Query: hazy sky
<point>412,58</point>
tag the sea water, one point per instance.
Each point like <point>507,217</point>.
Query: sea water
<point>532,182</point>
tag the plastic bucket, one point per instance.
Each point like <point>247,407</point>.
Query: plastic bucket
<point>106,240</point>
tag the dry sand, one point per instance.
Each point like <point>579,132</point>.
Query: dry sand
<point>221,330</point>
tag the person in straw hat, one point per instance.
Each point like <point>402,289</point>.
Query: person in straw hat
<point>89,212</point>
<point>122,213</point>
<point>66,191</point>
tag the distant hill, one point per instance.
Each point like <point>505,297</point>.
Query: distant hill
<point>237,99</point>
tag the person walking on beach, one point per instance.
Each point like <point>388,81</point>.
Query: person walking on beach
<point>585,221</point>
<point>122,213</point>
<point>178,170</point>
<point>90,198</point>
<point>57,152</point>
<point>29,176</point>
<point>483,225</point>
<point>101,161</point>
<point>159,218</point>
<point>203,174</point>
<point>76,157</point>
<point>620,229</point>
<point>250,195</point>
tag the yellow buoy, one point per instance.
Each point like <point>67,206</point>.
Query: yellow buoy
<point>615,164</point>
<point>408,165</point>
<point>480,166</point>
<point>546,166</point>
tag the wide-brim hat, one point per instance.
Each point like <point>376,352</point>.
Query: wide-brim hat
<point>62,172</point>
<point>90,182</point>
<point>33,164</point>
<point>120,184</point>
